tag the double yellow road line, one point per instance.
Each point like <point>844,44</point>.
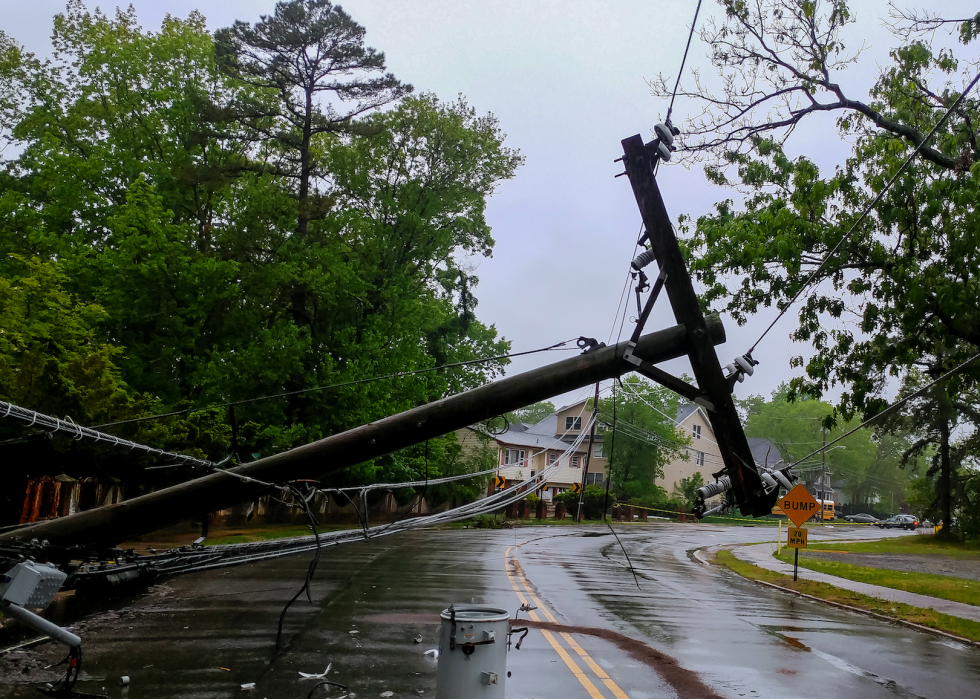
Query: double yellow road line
<point>515,574</point>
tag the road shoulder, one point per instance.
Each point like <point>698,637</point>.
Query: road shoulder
<point>921,618</point>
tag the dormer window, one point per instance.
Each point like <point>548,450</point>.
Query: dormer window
<point>573,423</point>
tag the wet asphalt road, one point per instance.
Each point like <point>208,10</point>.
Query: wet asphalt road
<point>204,635</point>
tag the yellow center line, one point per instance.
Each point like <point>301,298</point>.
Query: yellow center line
<point>583,679</point>
<point>573,644</point>
<point>617,692</point>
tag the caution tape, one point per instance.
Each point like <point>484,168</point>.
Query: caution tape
<point>676,514</point>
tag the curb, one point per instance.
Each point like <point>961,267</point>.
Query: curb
<point>858,610</point>
<point>867,612</point>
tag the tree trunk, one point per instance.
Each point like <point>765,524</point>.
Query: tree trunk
<point>945,480</point>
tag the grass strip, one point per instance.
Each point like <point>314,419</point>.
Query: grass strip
<point>929,618</point>
<point>941,586</point>
<point>919,544</point>
<point>247,537</point>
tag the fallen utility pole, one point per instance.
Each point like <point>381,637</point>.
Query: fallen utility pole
<point>109,525</point>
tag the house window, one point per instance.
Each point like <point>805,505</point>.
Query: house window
<point>697,431</point>
<point>574,463</point>
<point>597,451</point>
<point>594,479</point>
<point>552,458</point>
<point>573,423</point>
<point>699,459</point>
<point>532,473</point>
<point>514,457</point>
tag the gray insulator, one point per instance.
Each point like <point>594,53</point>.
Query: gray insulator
<point>769,481</point>
<point>783,480</point>
<point>642,260</point>
<point>664,134</point>
<point>747,366</point>
<point>664,151</point>
<point>717,488</point>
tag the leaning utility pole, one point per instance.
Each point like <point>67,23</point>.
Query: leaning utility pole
<point>714,388</point>
<point>109,525</point>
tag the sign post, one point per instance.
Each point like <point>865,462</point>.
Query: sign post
<point>799,506</point>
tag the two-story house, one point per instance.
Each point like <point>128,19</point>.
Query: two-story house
<point>526,450</point>
<point>703,454</point>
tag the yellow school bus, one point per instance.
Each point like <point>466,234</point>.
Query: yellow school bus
<point>828,510</point>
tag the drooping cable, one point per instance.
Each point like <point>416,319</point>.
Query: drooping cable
<point>677,82</point>
<point>866,211</point>
<point>396,375</point>
<point>53,424</point>
<point>612,449</point>
<point>891,408</point>
<point>311,520</point>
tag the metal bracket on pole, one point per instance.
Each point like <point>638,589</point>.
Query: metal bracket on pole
<point>714,391</point>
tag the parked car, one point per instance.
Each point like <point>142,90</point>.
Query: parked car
<point>861,519</point>
<point>899,522</point>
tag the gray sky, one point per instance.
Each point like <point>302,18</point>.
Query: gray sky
<point>566,80</point>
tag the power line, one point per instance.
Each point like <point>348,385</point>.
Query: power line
<point>395,375</point>
<point>867,210</point>
<point>53,424</point>
<point>683,61</point>
<point>893,406</point>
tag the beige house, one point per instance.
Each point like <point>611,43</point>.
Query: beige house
<point>526,450</point>
<point>703,454</point>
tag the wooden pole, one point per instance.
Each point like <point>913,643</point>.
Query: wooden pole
<point>727,426</point>
<point>109,525</point>
<point>588,454</point>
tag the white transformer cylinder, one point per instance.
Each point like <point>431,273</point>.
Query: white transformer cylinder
<point>472,653</point>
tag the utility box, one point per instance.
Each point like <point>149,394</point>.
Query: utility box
<point>472,653</point>
<point>31,585</point>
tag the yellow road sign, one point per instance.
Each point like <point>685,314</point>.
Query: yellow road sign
<point>799,505</point>
<point>795,538</point>
<point>498,483</point>
<point>577,488</point>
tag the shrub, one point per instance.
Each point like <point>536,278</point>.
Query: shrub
<point>486,522</point>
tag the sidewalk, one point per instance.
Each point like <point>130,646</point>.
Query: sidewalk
<point>761,555</point>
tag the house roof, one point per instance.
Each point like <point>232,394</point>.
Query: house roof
<point>761,448</point>
<point>531,439</point>
<point>545,426</point>
<point>685,411</point>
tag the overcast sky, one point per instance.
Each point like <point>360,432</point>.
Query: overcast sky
<point>566,79</point>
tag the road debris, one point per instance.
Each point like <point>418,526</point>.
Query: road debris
<point>314,676</point>
<point>417,639</point>
<point>248,685</point>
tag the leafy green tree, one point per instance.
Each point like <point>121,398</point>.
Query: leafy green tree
<point>688,489</point>
<point>307,50</point>
<point>532,414</point>
<point>52,357</point>
<point>134,169</point>
<point>885,294</point>
<point>643,438</point>
<point>873,465</point>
